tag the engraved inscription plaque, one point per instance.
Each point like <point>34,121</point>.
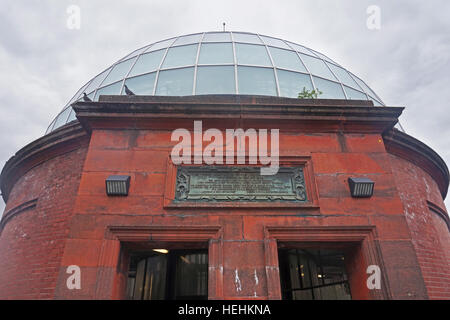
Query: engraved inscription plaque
<point>244,184</point>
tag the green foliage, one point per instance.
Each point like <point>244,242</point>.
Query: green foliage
<point>306,94</point>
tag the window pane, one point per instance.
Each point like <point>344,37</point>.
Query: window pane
<point>142,85</point>
<point>191,276</point>
<point>147,62</point>
<point>172,275</point>
<point>260,81</point>
<point>275,42</point>
<point>376,103</point>
<point>193,38</point>
<point>286,59</point>
<point>216,53</point>
<point>330,90</point>
<point>245,37</point>
<point>176,82</point>
<point>343,76</point>
<point>218,80</point>
<point>251,54</point>
<point>323,56</point>
<point>161,45</point>
<point>118,72</point>
<point>78,94</point>
<point>135,53</point>
<point>62,118</point>
<point>313,274</point>
<point>317,67</point>
<point>96,81</point>
<point>113,89</point>
<point>90,96</point>
<point>353,94</point>
<point>217,37</point>
<point>292,83</point>
<point>155,278</point>
<point>180,56</point>
<point>50,127</point>
<point>364,86</point>
<point>300,48</point>
<point>72,116</point>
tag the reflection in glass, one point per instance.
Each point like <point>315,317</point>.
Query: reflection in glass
<point>286,59</point>
<point>216,53</point>
<point>177,82</point>
<point>173,275</point>
<point>113,89</point>
<point>150,281</point>
<point>118,72</point>
<point>191,275</point>
<point>147,62</point>
<point>260,81</point>
<point>292,83</point>
<point>252,54</point>
<point>142,85</point>
<point>312,274</point>
<point>215,80</point>
<point>317,67</point>
<point>330,90</point>
<point>180,56</point>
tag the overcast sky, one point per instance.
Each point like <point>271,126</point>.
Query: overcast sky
<point>43,63</point>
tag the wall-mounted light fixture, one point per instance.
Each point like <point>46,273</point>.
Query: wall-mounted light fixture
<point>117,185</point>
<point>361,187</point>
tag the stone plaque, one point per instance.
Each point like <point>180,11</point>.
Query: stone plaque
<point>244,184</point>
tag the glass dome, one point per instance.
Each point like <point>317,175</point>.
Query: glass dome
<point>223,63</point>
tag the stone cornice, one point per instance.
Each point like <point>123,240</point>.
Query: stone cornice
<point>60,141</point>
<point>411,149</point>
<point>140,112</point>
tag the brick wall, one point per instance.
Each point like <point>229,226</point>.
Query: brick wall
<point>32,242</point>
<point>143,154</point>
<point>429,232</point>
<point>72,213</point>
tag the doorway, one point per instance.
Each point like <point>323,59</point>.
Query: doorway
<point>313,274</point>
<point>167,274</point>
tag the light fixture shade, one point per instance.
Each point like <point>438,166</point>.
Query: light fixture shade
<point>117,185</point>
<point>361,187</point>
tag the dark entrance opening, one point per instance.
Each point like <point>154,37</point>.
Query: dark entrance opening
<point>163,274</point>
<point>313,274</point>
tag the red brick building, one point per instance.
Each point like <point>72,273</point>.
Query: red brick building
<point>157,243</point>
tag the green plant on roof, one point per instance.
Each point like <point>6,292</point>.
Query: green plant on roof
<point>306,94</point>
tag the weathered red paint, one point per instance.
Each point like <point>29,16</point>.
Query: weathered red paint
<point>66,217</point>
